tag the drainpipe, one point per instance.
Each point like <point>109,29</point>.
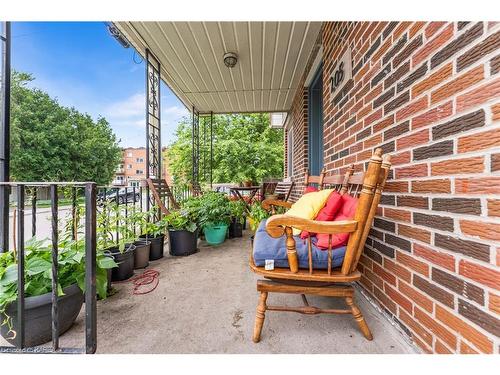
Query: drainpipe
<point>5,39</point>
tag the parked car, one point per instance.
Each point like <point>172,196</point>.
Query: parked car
<point>123,194</point>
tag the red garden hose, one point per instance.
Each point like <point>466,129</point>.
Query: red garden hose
<point>146,278</point>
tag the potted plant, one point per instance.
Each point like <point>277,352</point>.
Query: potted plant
<point>38,287</point>
<point>183,233</point>
<point>237,209</point>
<point>154,232</point>
<point>142,245</point>
<point>115,240</point>
<point>214,216</point>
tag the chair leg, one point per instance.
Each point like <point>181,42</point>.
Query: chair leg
<point>359,318</point>
<point>260,316</point>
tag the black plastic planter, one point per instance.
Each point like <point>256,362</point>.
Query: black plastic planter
<point>183,242</point>
<point>156,250</point>
<point>235,229</point>
<point>38,316</point>
<point>141,255</point>
<point>125,262</point>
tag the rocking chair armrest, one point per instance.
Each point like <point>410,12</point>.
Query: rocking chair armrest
<point>267,204</point>
<point>276,225</point>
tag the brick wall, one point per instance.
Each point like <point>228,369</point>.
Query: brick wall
<point>429,94</point>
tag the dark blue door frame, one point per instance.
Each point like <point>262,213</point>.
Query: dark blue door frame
<point>315,123</point>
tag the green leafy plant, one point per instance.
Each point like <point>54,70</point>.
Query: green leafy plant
<point>212,208</point>
<point>180,220</point>
<point>38,267</point>
<point>257,214</point>
<point>237,208</point>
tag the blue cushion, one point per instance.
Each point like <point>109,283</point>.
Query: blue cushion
<point>267,247</point>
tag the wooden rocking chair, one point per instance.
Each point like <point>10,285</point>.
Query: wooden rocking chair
<point>161,191</point>
<point>324,282</point>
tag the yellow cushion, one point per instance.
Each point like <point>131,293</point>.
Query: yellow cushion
<point>308,206</point>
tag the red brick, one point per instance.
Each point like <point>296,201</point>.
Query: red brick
<point>401,215</point>
<point>400,29</point>
<point>466,349</point>
<point>494,207</point>
<point>487,185</point>
<point>374,279</point>
<point>486,231</point>
<point>458,325</point>
<point>459,84</point>
<point>396,187</point>
<point>401,158</point>
<point>495,112</point>
<point>494,304</point>
<point>412,140</point>
<point>432,80</point>
<point>417,26</point>
<point>436,257</point>
<point>432,28</point>
<point>422,345</point>
<point>440,348</point>
<point>417,170</point>
<point>401,300</point>
<point>397,270</point>
<point>412,108</point>
<point>481,274</point>
<point>431,186</point>
<point>438,329</point>
<point>433,116</point>
<point>414,233</point>
<point>417,297</point>
<point>386,301</point>
<point>479,95</point>
<point>479,141</point>
<point>433,44</point>
<point>458,166</point>
<point>415,327</point>
<point>373,117</point>
<point>388,121</point>
<point>388,277</point>
<point>411,262</point>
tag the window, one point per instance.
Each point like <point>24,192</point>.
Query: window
<point>139,160</point>
<point>129,166</point>
<point>139,171</point>
<point>133,183</point>
<point>289,152</point>
<point>315,106</point>
<point>129,154</point>
<point>119,178</point>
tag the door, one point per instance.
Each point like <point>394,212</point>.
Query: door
<point>315,117</point>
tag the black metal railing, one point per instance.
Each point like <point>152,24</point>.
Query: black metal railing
<point>27,193</point>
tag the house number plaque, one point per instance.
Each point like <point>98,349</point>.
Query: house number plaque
<point>342,72</point>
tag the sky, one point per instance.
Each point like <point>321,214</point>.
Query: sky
<point>83,66</point>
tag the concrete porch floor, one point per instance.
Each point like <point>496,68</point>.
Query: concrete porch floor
<point>205,303</point>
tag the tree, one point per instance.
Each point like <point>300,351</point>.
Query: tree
<point>50,142</point>
<point>244,146</point>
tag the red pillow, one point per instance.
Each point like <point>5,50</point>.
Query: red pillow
<point>346,212</point>
<point>328,212</point>
<point>310,189</point>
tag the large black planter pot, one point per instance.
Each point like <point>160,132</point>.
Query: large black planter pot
<point>141,255</point>
<point>235,229</point>
<point>156,250</point>
<point>38,316</point>
<point>183,242</point>
<point>125,263</point>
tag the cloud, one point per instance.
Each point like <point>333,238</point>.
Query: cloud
<point>128,108</point>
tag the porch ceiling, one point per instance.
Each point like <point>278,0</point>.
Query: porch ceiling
<point>271,59</point>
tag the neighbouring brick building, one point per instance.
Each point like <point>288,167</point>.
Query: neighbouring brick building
<point>132,168</point>
<point>428,93</point>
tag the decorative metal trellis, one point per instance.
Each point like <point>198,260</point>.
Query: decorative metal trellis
<point>202,149</point>
<point>5,45</point>
<point>153,121</point>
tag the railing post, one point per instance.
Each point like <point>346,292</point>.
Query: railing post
<point>20,267</point>
<point>55,240</point>
<point>90,269</point>
<point>5,42</point>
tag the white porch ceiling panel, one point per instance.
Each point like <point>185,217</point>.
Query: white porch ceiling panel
<point>271,59</point>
